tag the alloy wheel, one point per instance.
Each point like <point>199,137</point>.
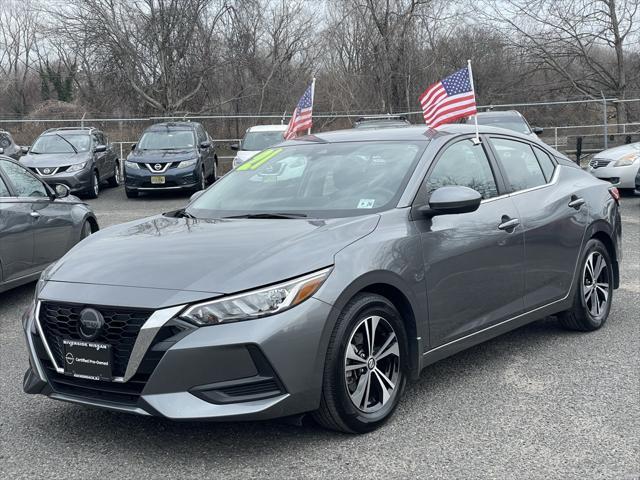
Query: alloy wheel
<point>118,175</point>
<point>595,284</point>
<point>372,364</point>
<point>96,184</point>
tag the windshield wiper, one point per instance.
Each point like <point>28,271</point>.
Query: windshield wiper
<point>182,213</point>
<point>270,215</point>
<point>74,148</point>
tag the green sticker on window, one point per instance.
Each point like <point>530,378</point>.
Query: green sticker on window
<point>259,159</point>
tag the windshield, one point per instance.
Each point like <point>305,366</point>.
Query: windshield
<point>167,140</point>
<point>256,141</point>
<point>62,143</point>
<point>318,180</point>
<point>514,124</point>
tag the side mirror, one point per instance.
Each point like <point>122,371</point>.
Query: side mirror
<point>204,145</point>
<point>451,200</point>
<point>100,148</point>
<point>195,196</point>
<point>133,147</point>
<point>537,130</point>
<point>61,191</point>
<point>235,146</point>
<point>24,149</point>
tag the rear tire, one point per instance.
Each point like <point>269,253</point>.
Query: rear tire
<point>86,230</point>
<point>94,187</point>
<point>362,386</point>
<point>593,292</point>
<point>116,179</point>
<point>131,193</point>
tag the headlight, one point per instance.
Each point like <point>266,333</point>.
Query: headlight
<point>77,167</point>
<point>258,303</point>
<point>187,163</point>
<point>627,160</point>
<point>237,162</point>
<point>132,165</point>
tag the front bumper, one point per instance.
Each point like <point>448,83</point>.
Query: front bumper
<point>78,182</point>
<point>620,177</point>
<point>251,370</point>
<point>175,179</point>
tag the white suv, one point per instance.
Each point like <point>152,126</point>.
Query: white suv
<point>257,139</point>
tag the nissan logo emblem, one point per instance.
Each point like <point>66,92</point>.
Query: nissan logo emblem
<point>47,170</point>
<point>157,166</point>
<point>91,323</point>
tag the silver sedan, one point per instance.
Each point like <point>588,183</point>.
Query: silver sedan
<point>38,224</point>
<point>617,165</point>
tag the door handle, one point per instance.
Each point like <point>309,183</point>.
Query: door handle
<point>576,202</point>
<point>508,223</point>
<point>35,214</point>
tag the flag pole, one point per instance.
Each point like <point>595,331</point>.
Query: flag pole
<point>473,89</point>
<point>313,94</point>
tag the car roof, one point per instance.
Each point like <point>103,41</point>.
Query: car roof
<point>267,128</point>
<point>408,133</point>
<point>71,130</point>
<point>173,126</point>
<point>500,113</point>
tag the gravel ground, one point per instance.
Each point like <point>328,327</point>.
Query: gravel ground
<point>538,402</point>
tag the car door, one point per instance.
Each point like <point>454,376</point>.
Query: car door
<point>111,156</point>
<point>51,220</point>
<point>473,261</point>
<point>553,217</point>
<point>16,234</point>
<point>101,158</point>
<point>207,158</point>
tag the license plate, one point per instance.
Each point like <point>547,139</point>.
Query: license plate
<point>87,360</point>
<point>158,180</point>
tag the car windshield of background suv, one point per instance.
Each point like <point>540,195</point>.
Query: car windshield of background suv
<point>167,140</point>
<point>256,141</point>
<point>319,180</point>
<point>58,143</point>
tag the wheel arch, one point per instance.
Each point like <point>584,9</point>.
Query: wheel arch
<point>602,231</point>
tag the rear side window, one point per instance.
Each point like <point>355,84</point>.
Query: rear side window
<point>545,162</point>
<point>4,191</point>
<point>518,163</point>
<point>26,185</point>
<point>465,164</point>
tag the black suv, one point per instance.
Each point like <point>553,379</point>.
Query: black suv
<point>382,121</point>
<point>78,157</point>
<point>171,156</point>
<point>509,119</point>
<point>8,147</point>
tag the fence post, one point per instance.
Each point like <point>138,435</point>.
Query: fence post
<point>555,129</point>
<point>578,149</point>
<point>604,115</point>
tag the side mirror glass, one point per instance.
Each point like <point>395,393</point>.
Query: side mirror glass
<point>100,148</point>
<point>538,130</point>
<point>24,149</point>
<point>204,145</point>
<point>133,147</point>
<point>235,146</point>
<point>62,191</point>
<point>451,200</point>
<point>195,196</point>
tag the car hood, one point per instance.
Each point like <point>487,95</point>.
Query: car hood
<point>617,152</point>
<point>244,155</point>
<point>161,156</point>
<point>53,159</point>
<point>215,256</point>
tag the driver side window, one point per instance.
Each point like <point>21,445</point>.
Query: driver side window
<point>26,185</point>
<point>465,164</point>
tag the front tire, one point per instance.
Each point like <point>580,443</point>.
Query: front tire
<point>94,186</point>
<point>131,193</point>
<point>593,292</point>
<point>117,177</point>
<point>365,368</point>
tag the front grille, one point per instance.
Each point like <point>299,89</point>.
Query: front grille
<point>599,162</point>
<point>60,321</point>
<point>263,388</point>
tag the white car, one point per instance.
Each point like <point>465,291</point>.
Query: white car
<point>257,139</point>
<point>617,165</point>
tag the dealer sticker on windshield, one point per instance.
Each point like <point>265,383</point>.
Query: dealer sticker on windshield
<point>366,203</point>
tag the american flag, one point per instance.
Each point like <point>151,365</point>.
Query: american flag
<point>449,99</point>
<point>301,119</point>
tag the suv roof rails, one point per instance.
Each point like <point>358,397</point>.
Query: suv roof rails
<point>388,116</point>
<point>57,129</point>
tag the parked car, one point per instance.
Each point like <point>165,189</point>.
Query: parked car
<point>257,139</point>
<point>324,291</point>
<point>38,224</point>
<point>618,165</point>
<point>78,157</point>
<point>637,190</point>
<point>510,119</point>
<point>171,156</point>
<point>382,121</point>
<point>8,147</point>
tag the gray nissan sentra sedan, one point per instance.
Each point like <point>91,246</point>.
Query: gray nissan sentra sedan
<point>323,274</point>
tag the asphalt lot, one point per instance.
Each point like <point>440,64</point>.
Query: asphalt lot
<point>538,402</point>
